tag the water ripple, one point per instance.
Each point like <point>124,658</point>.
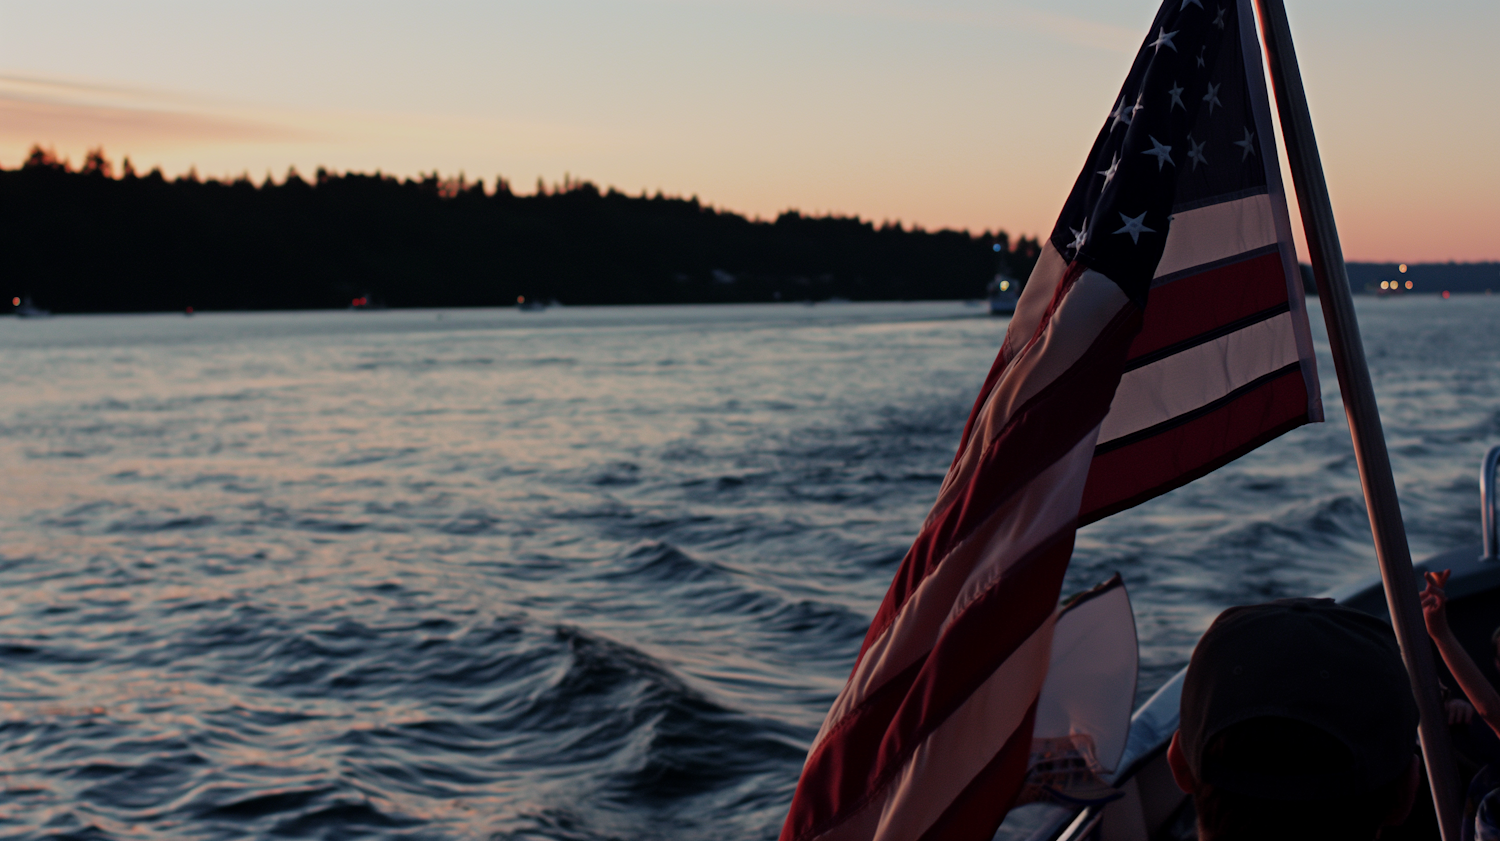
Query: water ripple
<point>377,575</point>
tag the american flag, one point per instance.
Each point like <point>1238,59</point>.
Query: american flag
<point>1162,334</point>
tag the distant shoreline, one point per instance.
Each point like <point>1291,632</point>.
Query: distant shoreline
<point>1398,279</point>
<point>89,241</point>
<point>1364,278</point>
<point>86,240</point>
<point>459,312</point>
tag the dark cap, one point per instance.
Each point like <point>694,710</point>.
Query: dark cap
<point>1312,661</point>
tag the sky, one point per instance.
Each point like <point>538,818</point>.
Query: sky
<point>943,113</point>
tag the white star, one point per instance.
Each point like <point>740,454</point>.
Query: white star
<point>1219,21</point>
<point>1200,55</point>
<point>1212,98</point>
<point>1080,236</point>
<point>1162,153</point>
<point>1195,154</point>
<point>1248,144</point>
<point>1135,227</point>
<point>1176,92</point>
<point>1164,39</point>
<point>1121,114</point>
<point>1137,106</point>
<point>1186,3</point>
<point>1110,173</point>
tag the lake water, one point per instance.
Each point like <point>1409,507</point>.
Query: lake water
<point>579,574</point>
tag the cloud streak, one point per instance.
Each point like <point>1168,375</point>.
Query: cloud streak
<point>176,131</point>
<point>71,113</point>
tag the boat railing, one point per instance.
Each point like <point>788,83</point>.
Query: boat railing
<point>1489,522</point>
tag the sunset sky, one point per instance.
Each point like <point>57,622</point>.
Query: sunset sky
<point>945,113</point>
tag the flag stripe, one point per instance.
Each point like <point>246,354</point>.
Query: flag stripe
<point>1025,521</point>
<point>1208,234</point>
<point>1036,436</point>
<point>1201,303</point>
<point>1031,311</point>
<point>987,624</point>
<point>872,748</point>
<point>977,811</point>
<point>1017,410</point>
<point>1166,280</point>
<point>1130,472</point>
<point>966,742</point>
<point>1044,357</point>
<point>1198,376</point>
<point>981,638</point>
<point>1186,417</point>
<point>1206,337</point>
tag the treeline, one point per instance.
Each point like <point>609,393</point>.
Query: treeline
<point>91,240</point>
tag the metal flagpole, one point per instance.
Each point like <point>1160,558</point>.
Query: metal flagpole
<point>1364,418</point>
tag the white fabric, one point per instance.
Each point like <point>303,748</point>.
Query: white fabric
<point>1090,686</point>
<point>1185,381</point>
<point>966,742</point>
<point>1207,234</point>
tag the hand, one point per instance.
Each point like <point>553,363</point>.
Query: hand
<point>1459,711</point>
<point>1435,602</point>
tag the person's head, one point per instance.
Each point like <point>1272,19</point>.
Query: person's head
<point>1297,721</point>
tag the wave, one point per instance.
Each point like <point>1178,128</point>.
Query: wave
<point>662,562</point>
<point>540,587</point>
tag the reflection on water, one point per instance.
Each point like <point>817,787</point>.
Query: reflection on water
<point>587,573</point>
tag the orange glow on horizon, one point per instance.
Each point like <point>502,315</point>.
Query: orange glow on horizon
<point>903,112</point>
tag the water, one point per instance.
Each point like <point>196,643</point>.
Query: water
<point>582,574</point>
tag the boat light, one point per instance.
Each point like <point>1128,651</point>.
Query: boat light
<point>1384,285</point>
<point>1004,285</point>
<point>1402,267</point>
<point>1408,284</point>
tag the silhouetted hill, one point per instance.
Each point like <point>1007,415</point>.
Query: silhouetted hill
<point>87,241</point>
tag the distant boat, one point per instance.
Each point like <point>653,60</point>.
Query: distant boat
<point>1004,293</point>
<point>532,305</point>
<point>26,309</point>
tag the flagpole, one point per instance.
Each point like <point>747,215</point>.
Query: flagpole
<point>1359,405</point>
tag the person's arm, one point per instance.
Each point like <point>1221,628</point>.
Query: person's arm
<point>1480,693</point>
